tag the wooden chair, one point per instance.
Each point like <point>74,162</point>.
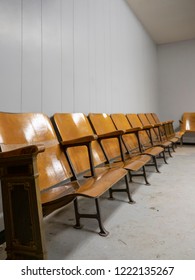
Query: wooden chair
<point>157,138</point>
<point>87,158</point>
<point>36,179</point>
<point>111,142</point>
<point>145,137</point>
<point>187,125</point>
<point>132,140</point>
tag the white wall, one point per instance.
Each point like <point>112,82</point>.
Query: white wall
<point>176,79</point>
<point>75,55</point>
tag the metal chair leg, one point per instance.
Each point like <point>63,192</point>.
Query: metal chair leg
<point>131,201</point>
<point>164,157</point>
<point>103,231</point>
<point>111,194</point>
<point>145,177</point>
<point>96,216</point>
<point>155,163</point>
<point>77,215</point>
<point>169,152</point>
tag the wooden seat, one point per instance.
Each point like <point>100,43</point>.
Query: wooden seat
<point>111,142</point>
<point>157,138</point>
<point>36,179</point>
<point>87,158</point>
<point>132,140</point>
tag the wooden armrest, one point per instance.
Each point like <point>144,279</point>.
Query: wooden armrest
<point>112,134</point>
<point>157,124</point>
<point>79,141</point>
<point>145,127</point>
<point>132,130</point>
<point>170,121</point>
<point>23,151</point>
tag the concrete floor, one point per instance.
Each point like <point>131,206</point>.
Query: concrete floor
<point>159,226</point>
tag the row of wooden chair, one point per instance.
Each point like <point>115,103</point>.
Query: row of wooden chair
<point>45,164</point>
<point>167,129</point>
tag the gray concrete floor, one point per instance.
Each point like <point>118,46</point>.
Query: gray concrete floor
<point>160,225</point>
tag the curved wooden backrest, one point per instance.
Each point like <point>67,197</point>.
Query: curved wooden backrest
<point>103,124</point>
<point>166,129</point>
<point>146,122</point>
<point>74,126</point>
<point>122,123</point>
<point>21,129</point>
<point>135,122</point>
<point>143,119</point>
<point>155,117</point>
<point>150,118</point>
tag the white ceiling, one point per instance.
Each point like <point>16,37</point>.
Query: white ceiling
<point>166,21</point>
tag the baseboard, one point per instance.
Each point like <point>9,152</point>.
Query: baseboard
<point>188,143</point>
